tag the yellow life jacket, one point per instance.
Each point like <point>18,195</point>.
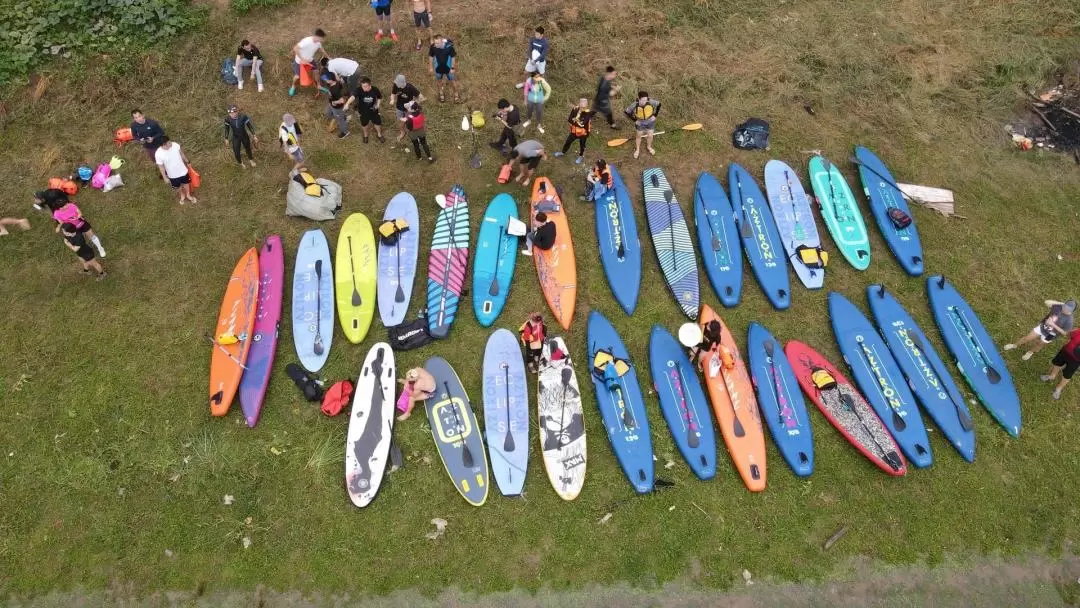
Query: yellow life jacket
<point>390,230</point>
<point>822,379</point>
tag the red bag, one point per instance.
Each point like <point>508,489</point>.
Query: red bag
<point>122,136</point>
<point>337,398</point>
<point>504,173</point>
<point>196,179</point>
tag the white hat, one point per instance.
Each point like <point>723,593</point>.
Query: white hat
<point>690,334</point>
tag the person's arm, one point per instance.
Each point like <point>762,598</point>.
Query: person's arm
<point>1054,326</point>
<point>228,131</point>
<point>453,61</point>
<point>656,110</point>
<point>70,246</point>
<point>184,157</point>
<point>349,102</point>
<point>378,103</point>
<point>431,60</point>
<point>250,126</point>
<point>546,88</point>
<point>161,169</point>
<point>1050,303</point>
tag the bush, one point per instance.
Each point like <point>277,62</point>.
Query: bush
<point>32,31</point>
<point>243,6</point>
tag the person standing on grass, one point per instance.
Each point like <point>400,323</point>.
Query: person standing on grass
<point>66,212</point>
<point>343,70</point>
<point>240,131</point>
<point>173,164</point>
<point>304,55</point>
<point>536,56</point>
<point>422,20</point>
<point>605,90</point>
<point>580,121</point>
<point>77,243</point>
<point>289,135</point>
<point>1057,322</point>
<point>537,91</point>
<point>404,93</point>
<point>542,236</point>
<point>415,123</point>
<point>643,112</point>
<point>367,99</point>
<point>147,132</point>
<point>510,117</point>
<point>1066,361</point>
<point>248,55</point>
<point>528,154</point>
<point>383,19</point>
<point>444,66</point>
<point>335,108</point>
<point>13,221</point>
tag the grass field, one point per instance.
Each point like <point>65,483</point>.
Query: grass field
<point>113,472</point>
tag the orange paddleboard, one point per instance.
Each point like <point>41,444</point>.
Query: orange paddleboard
<point>233,332</point>
<point>556,266</point>
<point>733,401</point>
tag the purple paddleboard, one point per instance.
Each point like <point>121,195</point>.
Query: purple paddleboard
<point>265,333</point>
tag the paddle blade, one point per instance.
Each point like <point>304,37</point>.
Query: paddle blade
<point>992,375</point>
<point>508,443</point>
<point>567,374</point>
<point>318,345</point>
<point>744,226</point>
<point>715,243</point>
<point>692,439</point>
<point>467,457</point>
<point>893,460</point>
<point>964,417</point>
<point>617,142</point>
<point>400,295</point>
<point>474,162</point>
<point>621,253</point>
<point>318,268</point>
<point>356,299</point>
<point>494,289</point>
<point>738,427</point>
<point>898,421</point>
<point>694,126</point>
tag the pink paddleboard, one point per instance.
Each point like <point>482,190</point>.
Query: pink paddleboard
<point>265,333</point>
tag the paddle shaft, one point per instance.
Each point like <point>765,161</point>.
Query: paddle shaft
<point>708,219</point>
<point>356,300</point>
<point>771,351</point>
<point>962,415</point>
<point>888,456</point>
<point>991,373</point>
<point>692,439</point>
<point>400,295</point>
<point>318,347</point>
<point>466,453</point>
<point>508,442</point>
<point>736,425</point>
<point>449,259</point>
<point>494,289</point>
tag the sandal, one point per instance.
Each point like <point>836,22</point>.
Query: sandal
<point>442,97</point>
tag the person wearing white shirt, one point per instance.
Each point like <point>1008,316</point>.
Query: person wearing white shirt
<point>173,164</point>
<point>345,71</point>
<point>304,54</point>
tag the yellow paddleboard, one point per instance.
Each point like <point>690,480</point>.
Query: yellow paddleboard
<point>355,276</point>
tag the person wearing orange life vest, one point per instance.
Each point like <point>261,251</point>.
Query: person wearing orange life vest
<point>533,334</point>
<point>598,180</point>
<point>415,125</point>
<point>643,112</point>
<point>580,121</point>
<point>699,341</point>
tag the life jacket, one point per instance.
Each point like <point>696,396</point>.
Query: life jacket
<point>822,379</point>
<point>416,122</point>
<point>287,135</point>
<point>579,127</point>
<point>603,177</point>
<point>899,218</point>
<point>122,136</point>
<point>531,332</point>
<point>337,398</point>
<point>68,187</point>
<point>645,112</point>
<point>390,230</point>
<point>812,257</point>
<point>307,180</point>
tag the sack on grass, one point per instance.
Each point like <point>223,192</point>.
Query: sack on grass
<point>337,398</point>
<point>319,207</point>
<point>113,182</point>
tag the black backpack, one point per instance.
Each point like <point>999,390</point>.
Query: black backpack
<point>751,135</point>
<point>305,381</point>
<point>410,334</point>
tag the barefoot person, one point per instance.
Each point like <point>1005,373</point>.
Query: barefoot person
<point>1057,322</point>
<point>643,112</point>
<point>173,164</point>
<point>444,66</point>
<point>289,135</point>
<point>537,91</point>
<point>1065,362</point>
<point>605,90</point>
<point>383,19</point>
<point>77,243</point>
<point>422,20</point>
<point>248,55</point>
<point>147,132</point>
<point>240,131</point>
<point>13,222</point>
<point>419,385</point>
<point>304,55</point>
<point>528,154</point>
<point>368,100</point>
<point>580,122</point>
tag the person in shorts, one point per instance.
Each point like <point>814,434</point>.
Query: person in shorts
<point>383,17</point>
<point>147,132</point>
<point>444,66</point>
<point>343,70</point>
<point>404,93</point>
<point>1065,362</point>
<point>536,56</point>
<point>528,154</point>
<point>289,135</point>
<point>13,221</point>
<point>643,112</point>
<point>368,99</point>
<point>421,15</point>
<point>77,243</point>
<point>173,164</point>
<point>304,54</point>
<point>1057,322</point>
<point>248,55</point>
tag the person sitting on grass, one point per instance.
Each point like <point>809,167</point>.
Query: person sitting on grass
<point>248,55</point>
<point>533,333</point>
<point>240,131</point>
<point>77,243</point>
<point>643,112</point>
<point>542,236</point>
<point>1066,361</point>
<point>528,154</point>
<point>415,125</point>
<point>580,122</point>
<point>368,99</point>
<point>419,385</point>
<point>289,135</point>
<point>11,221</point>
<point>173,165</point>
<point>1057,322</point>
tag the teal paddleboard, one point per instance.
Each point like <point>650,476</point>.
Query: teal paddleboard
<point>840,212</point>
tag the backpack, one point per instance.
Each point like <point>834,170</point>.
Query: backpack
<point>337,398</point>
<point>899,218</point>
<point>409,335</point>
<point>228,71</point>
<point>305,381</point>
<point>751,135</point>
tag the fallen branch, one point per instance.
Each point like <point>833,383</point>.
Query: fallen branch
<point>1046,120</point>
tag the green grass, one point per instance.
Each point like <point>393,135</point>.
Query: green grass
<point>110,457</point>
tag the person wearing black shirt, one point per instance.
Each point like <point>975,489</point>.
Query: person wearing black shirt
<point>444,66</point>
<point>239,131</point>
<point>77,243</point>
<point>605,89</point>
<point>404,92</point>
<point>248,55</point>
<point>147,132</point>
<point>542,235</point>
<point>335,108</point>
<point>510,117</point>
<point>368,99</point>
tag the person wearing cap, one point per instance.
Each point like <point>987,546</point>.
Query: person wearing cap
<point>248,55</point>
<point>403,92</point>
<point>289,135</point>
<point>342,69</point>
<point>239,131</point>
<point>1057,322</point>
<point>698,341</point>
<point>304,55</point>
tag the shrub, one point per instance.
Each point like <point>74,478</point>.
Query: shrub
<point>243,6</point>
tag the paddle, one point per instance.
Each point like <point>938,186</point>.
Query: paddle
<point>494,289</point>
<point>400,295</point>
<point>508,443</point>
<point>668,195</point>
<point>899,424</point>
<point>567,374</point>
<point>888,181</point>
<point>356,300</point>
<point>694,126</point>
<point>708,218</point>
<point>744,226</point>
<point>832,188</point>
<point>466,454</point>
<point>961,412</point>
<point>449,256</point>
<point>991,374</point>
<point>770,350</point>
<point>692,438</point>
<point>226,353</point>
<point>737,426</point>
<point>890,457</point>
<point>318,308</point>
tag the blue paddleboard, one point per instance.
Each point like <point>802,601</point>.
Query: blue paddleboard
<point>622,407</point>
<point>620,248</point>
<point>880,189</point>
<point>671,241</point>
<point>975,353</point>
<point>926,372</point>
<point>506,411</point>
<point>397,261</point>
<point>496,255</point>
<point>761,242</point>
<point>780,401</point>
<point>313,301</point>
<point>683,403</point>
<point>718,239</point>
<point>879,378</point>
<point>794,220</point>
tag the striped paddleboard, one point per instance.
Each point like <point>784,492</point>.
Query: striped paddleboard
<point>446,264</point>
<point>671,240</point>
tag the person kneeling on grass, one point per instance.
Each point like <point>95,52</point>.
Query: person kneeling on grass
<point>1057,322</point>
<point>542,235</point>
<point>528,154</point>
<point>415,124</point>
<point>643,112</point>
<point>240,131</point>
<point>12,221</point>
<point>419,385</point>
<point>173,164</point>
<point>1066,361</point>
<point>533,334</point>
<point>77,243</point>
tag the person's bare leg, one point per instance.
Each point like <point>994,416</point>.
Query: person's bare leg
<point>1050,376</point>
<point>1060,387</point>
<point>648,141</point>
<point>1028,337</point>
<point>637,144</point>
<point>11,221</point>
<point>1039,345</point>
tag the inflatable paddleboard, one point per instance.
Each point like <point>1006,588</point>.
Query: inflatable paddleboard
<point>844,408</point>
<point>232,336</point>
<point>355,277</point>
<point>506,411</point>
<point>795,222</point>
<point>880,189</point>
<point>924,369</point>
<point>397,261</point>
<point>682,402</point>
<point>780,400</point>
<point>621,405</point>
<point>447,262</point>
<point>671,241</point>
<point>761,242</point>
<point>617,236</point>
<point>562,421</point>
<point>975,353</point>
<point>313,301</point>
<point>840,212</point>
<point>264,336</point>
<point>496,256</point>
<point>718,239</point>
<point>555,267</point>
<point>371,424</point>
<point>880,379</point>
<point>457,436</point>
